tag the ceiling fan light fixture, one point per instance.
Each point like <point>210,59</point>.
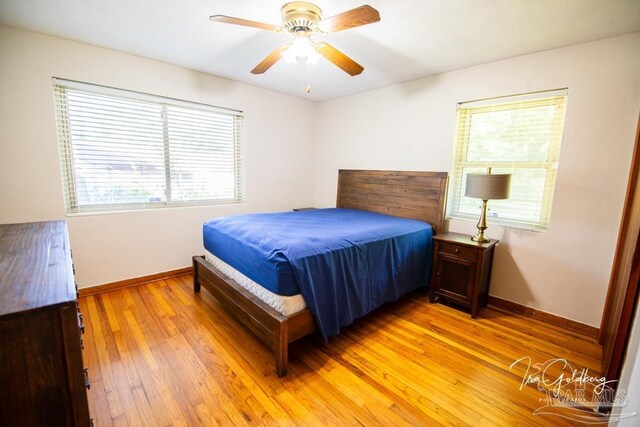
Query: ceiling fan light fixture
<point>302,47</point>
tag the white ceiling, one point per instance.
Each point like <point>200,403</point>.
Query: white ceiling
<point>415,38</point>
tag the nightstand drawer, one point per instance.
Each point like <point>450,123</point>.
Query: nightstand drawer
<point>458,251</point>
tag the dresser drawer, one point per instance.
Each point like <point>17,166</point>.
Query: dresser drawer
<point>458,251</point>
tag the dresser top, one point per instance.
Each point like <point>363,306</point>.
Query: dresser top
<point>35,266</point>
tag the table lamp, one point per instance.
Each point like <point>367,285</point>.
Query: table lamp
<point>486,186</point>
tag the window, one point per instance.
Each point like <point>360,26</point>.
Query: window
<point>125,150</point>
<point>520,135</point>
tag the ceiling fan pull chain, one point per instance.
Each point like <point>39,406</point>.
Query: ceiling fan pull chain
<point>308,72</point>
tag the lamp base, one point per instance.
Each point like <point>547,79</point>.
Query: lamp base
<point>482,225</point>
<point>480,237</point>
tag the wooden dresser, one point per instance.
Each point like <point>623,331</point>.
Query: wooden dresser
<point>42,377</point>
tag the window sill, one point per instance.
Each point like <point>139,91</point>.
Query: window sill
<point>499,223</point>
<point>135,210</point>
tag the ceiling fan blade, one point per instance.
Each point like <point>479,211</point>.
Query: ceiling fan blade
<point>362,15</point>
<point>340,59</point>
<point>271,59</point>
<point>244,22</point>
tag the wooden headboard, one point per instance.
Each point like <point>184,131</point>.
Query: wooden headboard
<point>415,195</point>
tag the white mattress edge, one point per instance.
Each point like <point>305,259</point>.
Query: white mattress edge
<point>285,305</point>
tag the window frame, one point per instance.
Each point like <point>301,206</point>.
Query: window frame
<point>464,111</point>
<point>67,165</point>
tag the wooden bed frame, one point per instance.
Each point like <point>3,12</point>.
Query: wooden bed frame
<point>415,195</point>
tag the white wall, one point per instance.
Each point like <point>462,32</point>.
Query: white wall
<point>279,153</point>
<point>410,126</point>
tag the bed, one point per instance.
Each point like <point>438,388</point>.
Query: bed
<point>334,266</point>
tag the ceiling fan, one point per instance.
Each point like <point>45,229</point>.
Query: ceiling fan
<point>303,19</point>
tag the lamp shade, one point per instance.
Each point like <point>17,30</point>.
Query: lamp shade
<point>488,186</point>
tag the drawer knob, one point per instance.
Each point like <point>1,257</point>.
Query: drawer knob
<point>80,322</point>
<point>87,384</point>
<point>457,250</point>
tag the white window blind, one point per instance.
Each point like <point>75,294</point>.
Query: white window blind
<point>125,150</point>
<point>520,135</point>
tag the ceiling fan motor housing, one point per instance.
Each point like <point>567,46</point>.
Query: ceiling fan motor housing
<point>301,16</point>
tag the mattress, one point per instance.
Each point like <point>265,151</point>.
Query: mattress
<point>286,305</point>
<point>344,262</point>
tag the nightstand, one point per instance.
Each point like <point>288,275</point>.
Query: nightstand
<point>461,270</point>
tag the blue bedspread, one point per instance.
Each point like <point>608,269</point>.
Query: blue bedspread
<point>345,262</point>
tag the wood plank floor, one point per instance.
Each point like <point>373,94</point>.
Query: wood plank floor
<point>158,354</point>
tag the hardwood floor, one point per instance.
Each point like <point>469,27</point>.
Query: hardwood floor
<point>158,354</point>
